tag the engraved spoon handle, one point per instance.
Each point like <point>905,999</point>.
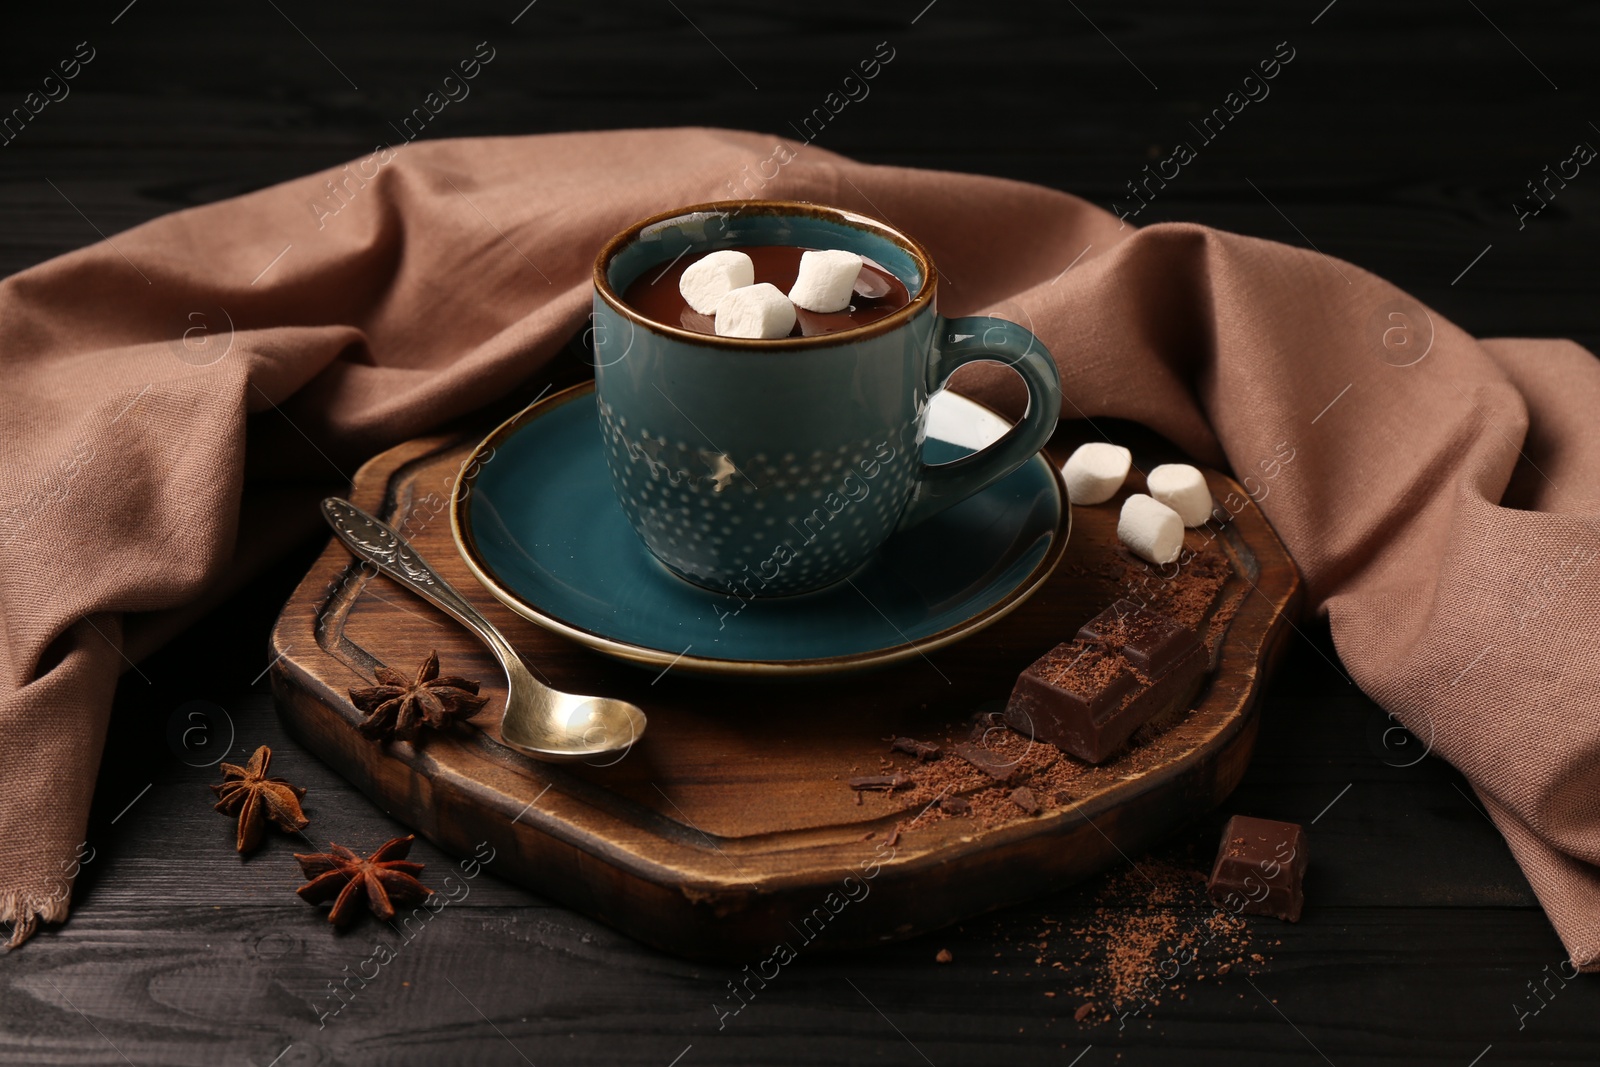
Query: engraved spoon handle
<point>377,543</point>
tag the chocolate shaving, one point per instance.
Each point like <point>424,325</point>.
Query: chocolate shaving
<point>926,751</point>
<point>1023,798</point>
<point>882,783</point>
<point>996,767</point>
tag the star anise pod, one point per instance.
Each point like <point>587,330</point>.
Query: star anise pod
<point>247,792</point>
<point>397,709</point>
<point>382,879</point>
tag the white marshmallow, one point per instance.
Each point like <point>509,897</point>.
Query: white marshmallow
<point>1150,529</point>
<point>1183,489</point>
<point>826,280</point>
<point>711,277</point>
<point>1095,471</point>
<point>755,311</point>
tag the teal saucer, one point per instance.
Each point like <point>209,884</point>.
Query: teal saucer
<point>536,520</point>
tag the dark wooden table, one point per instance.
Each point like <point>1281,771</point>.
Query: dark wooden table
<point>1398,139</point>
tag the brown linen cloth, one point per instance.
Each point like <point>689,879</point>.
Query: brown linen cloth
<point>1439,500</point>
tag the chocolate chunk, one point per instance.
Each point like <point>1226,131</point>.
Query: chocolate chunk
<point>997,767</point>
<point>956,805</point>
<point>1261,868</point>
<point>926,751</point>
<point>884,783</point>
<point>1023,798</point>
<point>1127,666</point>
<point>943,956</point>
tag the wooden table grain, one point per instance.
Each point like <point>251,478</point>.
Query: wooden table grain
<point>1400,139</point>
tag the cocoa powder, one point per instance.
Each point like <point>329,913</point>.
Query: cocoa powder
<point>1080,667</point>
<point>1150,931</point>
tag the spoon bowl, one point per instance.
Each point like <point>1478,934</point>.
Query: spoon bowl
<point>539,721</point>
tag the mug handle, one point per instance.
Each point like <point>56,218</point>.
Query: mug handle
<point>967,340</point>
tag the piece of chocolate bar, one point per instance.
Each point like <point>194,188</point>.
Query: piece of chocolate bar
<point>993,764</point>
<point>1260,868</point>
<point>1127,666</point>
<point>926,751</point>
<point>886,783</point>
<point>1023,798</point>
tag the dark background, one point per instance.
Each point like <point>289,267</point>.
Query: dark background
<point>1398,139</point>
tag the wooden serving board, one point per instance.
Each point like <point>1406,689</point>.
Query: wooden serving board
<point>730,828</point>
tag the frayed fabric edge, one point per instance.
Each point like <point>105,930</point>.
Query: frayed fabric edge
<point>24,912</point>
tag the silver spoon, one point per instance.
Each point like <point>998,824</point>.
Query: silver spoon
<point>539,721</point>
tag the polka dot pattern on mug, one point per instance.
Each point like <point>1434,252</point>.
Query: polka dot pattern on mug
<point>774,522</point>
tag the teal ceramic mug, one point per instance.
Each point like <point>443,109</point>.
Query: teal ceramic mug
<point>772,467</point>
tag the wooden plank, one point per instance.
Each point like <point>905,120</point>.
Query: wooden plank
<point>242,983</point>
